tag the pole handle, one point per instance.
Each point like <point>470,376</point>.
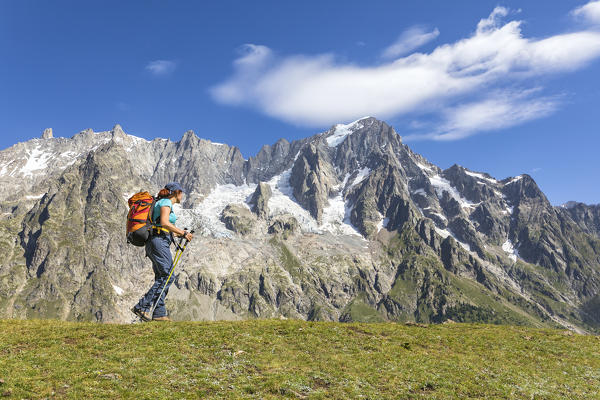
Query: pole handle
<point>186,241</point>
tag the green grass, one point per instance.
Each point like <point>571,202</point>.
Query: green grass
<point>294,359</point>
<point>289,261</point>
<point>359,310</point>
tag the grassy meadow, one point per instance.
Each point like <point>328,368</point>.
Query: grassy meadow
<point>294,359</point>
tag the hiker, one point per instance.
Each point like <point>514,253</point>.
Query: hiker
<point>158,249</point>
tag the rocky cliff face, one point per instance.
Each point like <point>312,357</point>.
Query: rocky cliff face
<point>346,225</point>
<point>586,217</point>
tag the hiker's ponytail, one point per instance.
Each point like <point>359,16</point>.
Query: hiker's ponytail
<point>163,194</point>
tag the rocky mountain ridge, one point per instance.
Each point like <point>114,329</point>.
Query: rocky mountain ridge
<point>348,224</point>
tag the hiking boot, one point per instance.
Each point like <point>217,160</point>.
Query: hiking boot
<point>164,318</point>
<point>144,316</point>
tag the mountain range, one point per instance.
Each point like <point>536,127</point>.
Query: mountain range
<point>346,225</point>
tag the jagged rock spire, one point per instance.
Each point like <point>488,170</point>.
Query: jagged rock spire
<point>117,130</point>
<point>47,134</point>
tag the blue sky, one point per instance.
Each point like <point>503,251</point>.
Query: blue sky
<point>501,87</point>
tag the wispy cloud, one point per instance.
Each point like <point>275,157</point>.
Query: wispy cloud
<point>411,39</point>
<point>161,67</point>
<point>589,12</point>
<point>498,110</point>
<point>497,60</point>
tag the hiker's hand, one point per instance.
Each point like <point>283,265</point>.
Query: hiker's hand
<point>188,236</point>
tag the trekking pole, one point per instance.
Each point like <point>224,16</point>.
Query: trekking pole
<point>176,259</point>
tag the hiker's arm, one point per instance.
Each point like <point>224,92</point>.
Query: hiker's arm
<point>165,211</point>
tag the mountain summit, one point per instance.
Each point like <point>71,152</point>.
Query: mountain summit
<point>347,225</point>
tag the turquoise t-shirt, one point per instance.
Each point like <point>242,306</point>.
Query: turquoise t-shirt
<point>157,207</point>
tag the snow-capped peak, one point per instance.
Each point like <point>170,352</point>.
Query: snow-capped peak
<point>341,131</point>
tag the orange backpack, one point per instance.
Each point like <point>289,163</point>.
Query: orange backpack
<point>139,219</point>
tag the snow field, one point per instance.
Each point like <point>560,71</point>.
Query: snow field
<point>446,232</point>
<point>425,168</point>
<point>510,249</point>
<point>36,160</point>
<point>515,179</point>
<point>440,184</point>
<point>335,219</point>
<point>480,176</point>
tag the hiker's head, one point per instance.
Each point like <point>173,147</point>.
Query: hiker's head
<point>172,191</point>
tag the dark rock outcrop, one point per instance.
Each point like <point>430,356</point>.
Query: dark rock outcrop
<point>238,219</point>
<point>313,179</point>
<point>260,200</point>
<point>284,225</point>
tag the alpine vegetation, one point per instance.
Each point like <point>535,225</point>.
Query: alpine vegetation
<point>345,225</point>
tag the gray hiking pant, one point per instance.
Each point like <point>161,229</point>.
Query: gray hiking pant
<point>158,249</point>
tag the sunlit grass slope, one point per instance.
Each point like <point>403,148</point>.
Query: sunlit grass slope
<point>294,359</point>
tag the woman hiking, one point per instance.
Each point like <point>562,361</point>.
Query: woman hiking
<point>158,249</point>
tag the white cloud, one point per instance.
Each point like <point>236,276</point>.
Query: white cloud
<point>501,109</point>
<point>589,12</point>
<point>161,67</point>
<point>411,39</point>
<point>248,68</point>
<point>319,90</point>
<point>493,21</point>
